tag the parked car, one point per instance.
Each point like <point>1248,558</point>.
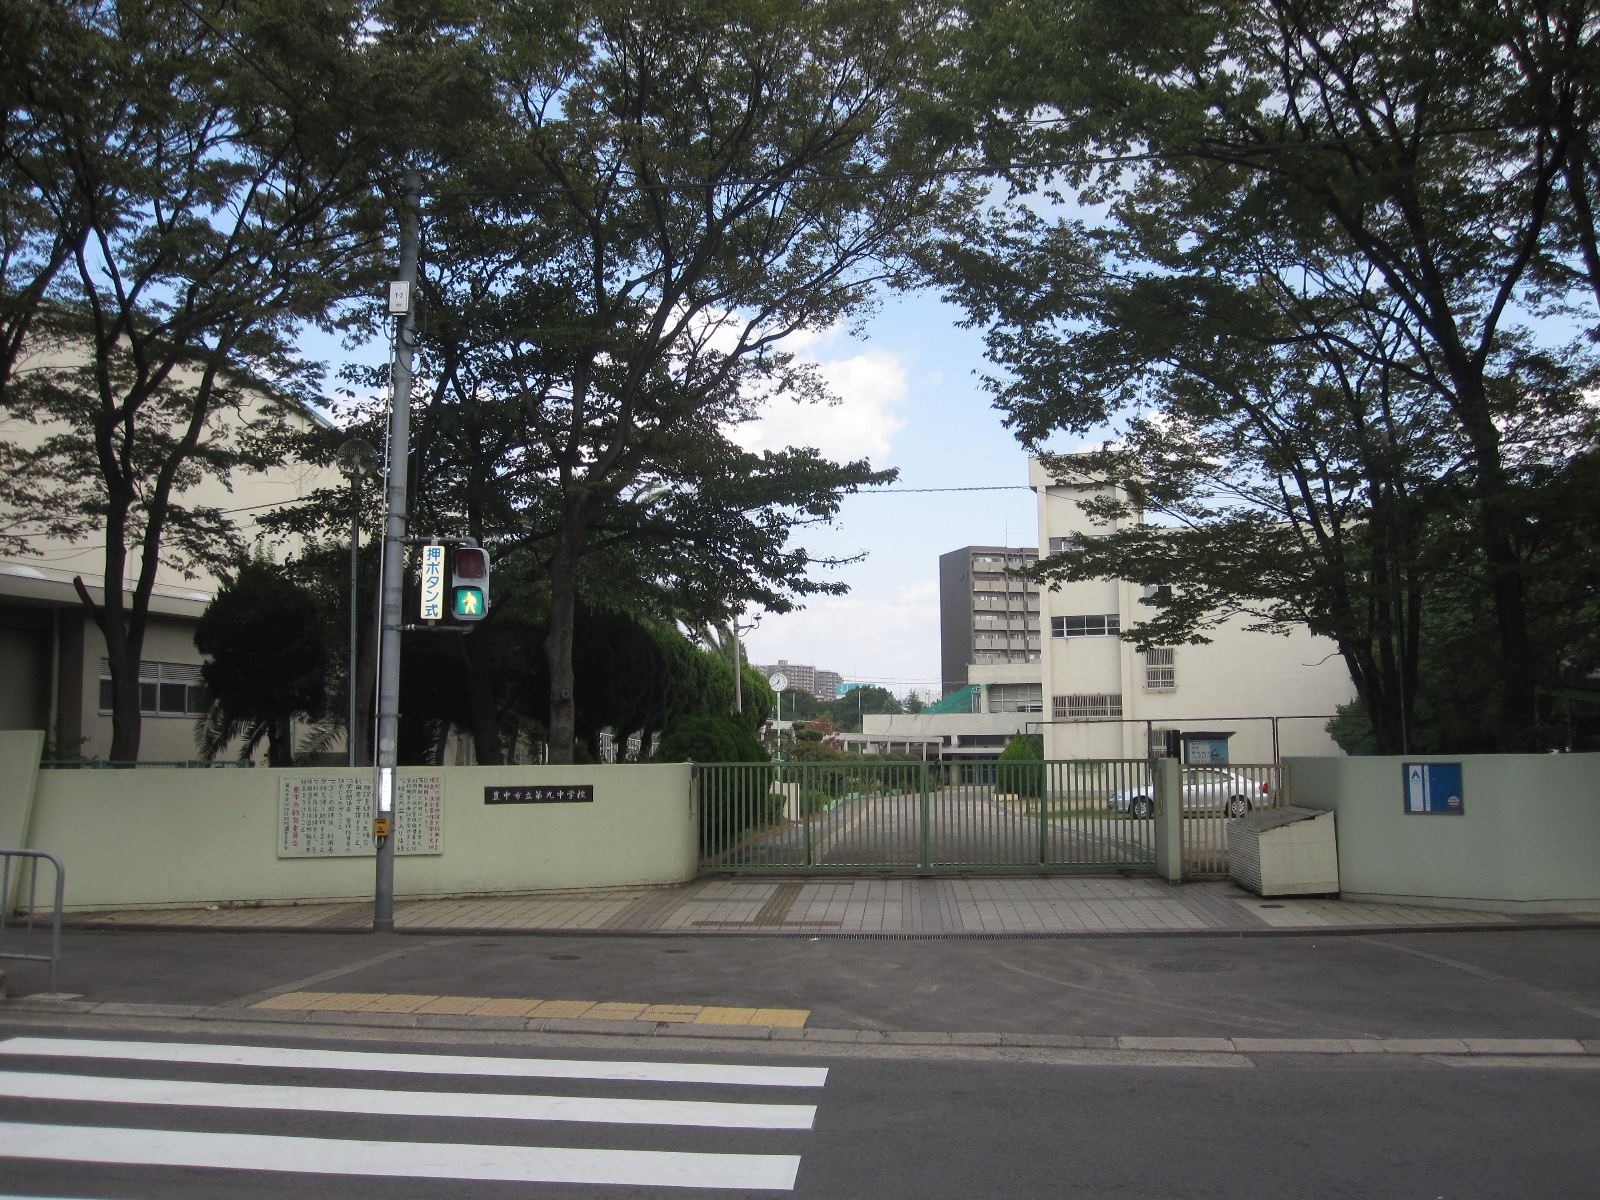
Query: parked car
<point>1205,789</point>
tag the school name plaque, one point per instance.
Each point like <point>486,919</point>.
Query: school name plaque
<point>331,817</point>
<point>541,793</point>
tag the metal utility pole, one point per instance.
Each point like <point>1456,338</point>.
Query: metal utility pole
<point>402,303</point>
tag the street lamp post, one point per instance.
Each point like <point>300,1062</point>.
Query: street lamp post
<point>356,458</point>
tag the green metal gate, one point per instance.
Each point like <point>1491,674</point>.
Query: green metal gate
<point>821,817</point>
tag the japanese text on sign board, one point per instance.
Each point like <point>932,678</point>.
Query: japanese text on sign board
<point>432,583</point>
<point>558,793</point>
<point>331,817</point>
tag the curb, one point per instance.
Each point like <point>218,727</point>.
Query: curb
<point>1527,1049</point>
<point>824,934</point>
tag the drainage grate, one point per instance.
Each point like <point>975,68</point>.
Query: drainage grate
<point>1191,966</point>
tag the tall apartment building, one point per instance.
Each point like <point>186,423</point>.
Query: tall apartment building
<point>824,685</point>
<point>986,616</point>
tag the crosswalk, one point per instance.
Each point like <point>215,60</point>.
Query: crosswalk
<point>225,1107</point>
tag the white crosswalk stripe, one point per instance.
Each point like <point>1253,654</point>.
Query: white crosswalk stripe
<point>418,1064</point>
<point>258,1102</point>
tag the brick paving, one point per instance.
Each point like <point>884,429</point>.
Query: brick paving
<point>1038,905</point>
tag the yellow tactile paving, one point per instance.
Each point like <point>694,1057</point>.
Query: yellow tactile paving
<point>486,1006</point>
<point>679,1014</point>
<point>562,1008</point>
<point>453,1006</point>
<point>614,1012</point>
<point>786,1018</point>
<point>397,1004</point>
<point>725,1016</point>
<point>340,1001</point>
<point>506,1008</point>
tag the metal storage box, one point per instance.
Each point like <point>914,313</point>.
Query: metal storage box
<point>1284,852</point>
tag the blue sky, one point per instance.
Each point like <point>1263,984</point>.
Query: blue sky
<point>912,397</point>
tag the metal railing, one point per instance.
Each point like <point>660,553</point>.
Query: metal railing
<point>1214,795</point>
<point>1076,815</point>
<point>9,907</point>
<point>920,817</point>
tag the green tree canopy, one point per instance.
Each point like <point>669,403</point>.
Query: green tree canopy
<point>1309,246</point>
<point>268,656</point>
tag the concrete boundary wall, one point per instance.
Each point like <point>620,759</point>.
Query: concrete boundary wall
<point>155,838</point>
<point>19,771</point>
<point>1527,839</point>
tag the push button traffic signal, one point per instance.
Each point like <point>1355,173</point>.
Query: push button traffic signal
<point>469,583</point>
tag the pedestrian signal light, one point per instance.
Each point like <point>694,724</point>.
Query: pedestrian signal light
<point>469,584</point>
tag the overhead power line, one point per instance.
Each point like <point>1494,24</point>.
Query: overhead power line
<point>998,487</point>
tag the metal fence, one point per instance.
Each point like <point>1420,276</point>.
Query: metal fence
<point>1079,815</point>
<point>922,816</point>
<point>1215,795</point>
<point>17,866</point>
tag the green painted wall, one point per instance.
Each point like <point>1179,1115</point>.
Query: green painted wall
<point>1527,839</point>
<point>163,838</point>
<point>19,767</point>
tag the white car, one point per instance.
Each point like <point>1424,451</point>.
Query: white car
<point>1204,789</point>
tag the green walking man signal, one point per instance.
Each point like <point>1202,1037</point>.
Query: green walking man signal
<point>469,583</point>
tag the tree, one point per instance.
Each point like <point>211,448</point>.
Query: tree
<point>1390,157</point>
<point>268,656</point>
<point>849,708</point>
<point>677,188</point>
<point>174,210</point>
<point>1021,769</point>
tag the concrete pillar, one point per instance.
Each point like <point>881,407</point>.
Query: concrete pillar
<point>1169,818</point>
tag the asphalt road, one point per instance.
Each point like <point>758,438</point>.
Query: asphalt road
<point>1523,983</point>
<point>149,1122</point>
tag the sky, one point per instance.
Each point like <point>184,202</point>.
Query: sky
<point>911,397</point>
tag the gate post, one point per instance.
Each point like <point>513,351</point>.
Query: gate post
<point>805,817</point>
<point>922,820</point>
<point>1169,818</point>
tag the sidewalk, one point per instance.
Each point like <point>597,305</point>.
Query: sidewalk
<point>913,907</point>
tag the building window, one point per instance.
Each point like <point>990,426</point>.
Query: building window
<point>1016,697</point>
<point>165,689</point>
<point>1097,625</point>
<point>1160,672</point>
<point>1064,707</point>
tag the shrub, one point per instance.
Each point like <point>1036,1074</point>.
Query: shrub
<point>813,802</point>
<point>1021,769</point>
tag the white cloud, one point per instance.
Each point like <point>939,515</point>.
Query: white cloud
<point>862,636</point>
<point>870,386</point>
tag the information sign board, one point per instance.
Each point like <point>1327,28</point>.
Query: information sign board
<point>542,793</point>
<point>1433,788</point>
<point>433,583</point>
<point>331,817</point>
